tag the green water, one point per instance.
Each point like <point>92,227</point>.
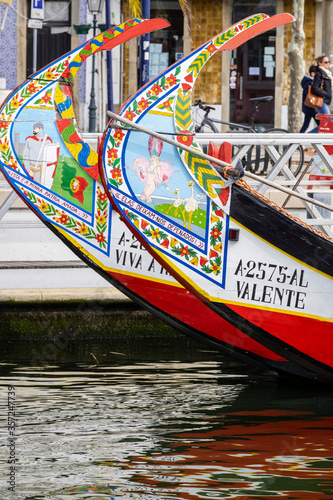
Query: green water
<point>170,419</point>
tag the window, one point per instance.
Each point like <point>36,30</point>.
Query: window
<point>54,39</point>
<point>166,44</point>
<point>252,66</point>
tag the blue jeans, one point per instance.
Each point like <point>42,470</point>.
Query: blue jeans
<point>324,110</point>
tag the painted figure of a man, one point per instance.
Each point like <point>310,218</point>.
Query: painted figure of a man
<point>33,151</point>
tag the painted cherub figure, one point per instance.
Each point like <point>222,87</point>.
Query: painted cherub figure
<point>153,172</point>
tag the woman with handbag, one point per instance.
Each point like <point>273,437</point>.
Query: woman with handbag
<point>322,84</point>
<point>309,112</point>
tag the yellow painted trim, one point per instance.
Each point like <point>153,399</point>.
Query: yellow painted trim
<point>235,303</point>
<point>114,270</point>
<point>183,275</point>
<point>40,107</point>
<point>281,251</point>
<point>163,113</point>
<point>263,308</point>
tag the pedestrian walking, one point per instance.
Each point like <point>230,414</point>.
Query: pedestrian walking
<point>322,84</point>
<point>309,113</point>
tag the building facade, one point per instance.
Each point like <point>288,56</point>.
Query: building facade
<point>259,67</point>
<point>24,50</point>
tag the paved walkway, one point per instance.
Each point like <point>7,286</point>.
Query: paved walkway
<point>62,294</point>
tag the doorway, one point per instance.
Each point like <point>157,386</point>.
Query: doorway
<point>166,45</point>
<point>252,68</point>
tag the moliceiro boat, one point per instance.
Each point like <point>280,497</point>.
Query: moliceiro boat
<point>70,187</point>
<point>273,281</point>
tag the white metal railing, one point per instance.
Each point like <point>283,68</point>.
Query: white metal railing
<point>279,171</point>
<point>270,141</point>
<point>268,138</point>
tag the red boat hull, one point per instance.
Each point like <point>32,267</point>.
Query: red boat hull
<point>295,331</point>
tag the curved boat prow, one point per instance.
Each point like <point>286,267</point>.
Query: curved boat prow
<point>165,104</point>
<point>257,29</point>
<point>57,176</point>
<point>54,174</point>
<point>278,310</point>
<point>50,88</point>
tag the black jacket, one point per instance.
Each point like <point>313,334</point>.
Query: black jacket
<point>307,80</point>
<point>322,85</point>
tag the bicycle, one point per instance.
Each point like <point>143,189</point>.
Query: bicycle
<point>257,159</point>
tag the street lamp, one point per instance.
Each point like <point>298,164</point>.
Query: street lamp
<point>94,7</point>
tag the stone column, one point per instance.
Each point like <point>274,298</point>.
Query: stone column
<point>327,32</point>
<point>187,44</point>
<point>318,29</point>
<point>327,29</point>
<point>132,66</point>
<point>21,64</point>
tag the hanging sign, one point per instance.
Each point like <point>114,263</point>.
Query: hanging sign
<point>35,23</point>
<point>37,9</point>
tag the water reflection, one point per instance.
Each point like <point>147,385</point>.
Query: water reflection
<point>175,423</point>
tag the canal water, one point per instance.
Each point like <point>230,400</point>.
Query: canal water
<point>158,419</point>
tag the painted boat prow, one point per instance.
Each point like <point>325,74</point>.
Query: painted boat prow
<point>81,216</point>
<point>204,261</point>
<point>77,210</point>
<point>258,29</point>
<point>176,84</point>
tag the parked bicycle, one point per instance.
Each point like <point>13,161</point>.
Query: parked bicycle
<point>257,159</point>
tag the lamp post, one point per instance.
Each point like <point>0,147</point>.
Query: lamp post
<point>94,7</point>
